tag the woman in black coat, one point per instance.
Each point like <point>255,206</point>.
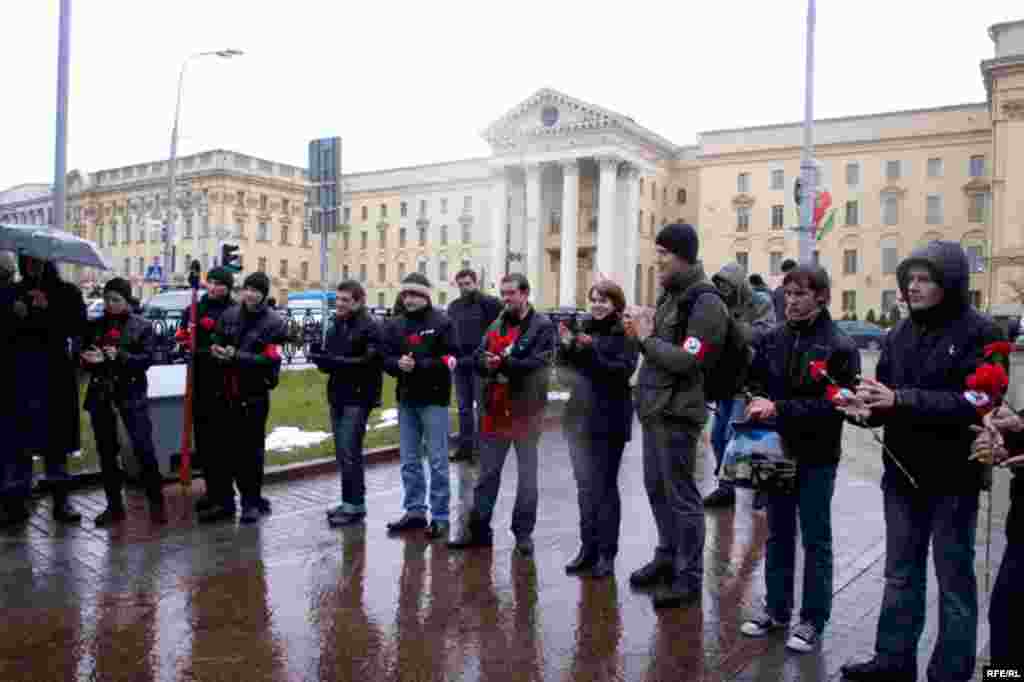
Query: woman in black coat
<point>598,361</point>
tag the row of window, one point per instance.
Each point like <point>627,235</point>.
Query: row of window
<point>680,193</point>
<point>851,260</point>
<point>893,169</point>
<point>422,268</point>
<point>403,237</point>
<point>382,210</point>
<point>977,211</point>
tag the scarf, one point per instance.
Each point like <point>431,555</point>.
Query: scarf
<point>499,418</point>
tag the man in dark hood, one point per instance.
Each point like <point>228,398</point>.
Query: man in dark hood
<point>931,494</point>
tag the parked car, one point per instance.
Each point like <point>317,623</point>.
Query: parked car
<point>866,335</point>
<point>169,305</point>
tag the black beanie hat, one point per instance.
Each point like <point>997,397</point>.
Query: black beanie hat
<point>416,283</point>
<point>223,276</point>
<point>680,239</point>
<point>258,281</point>
<point>121,287</point>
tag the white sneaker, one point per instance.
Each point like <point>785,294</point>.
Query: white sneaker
<point>761,625</point>
<point>803,638</point>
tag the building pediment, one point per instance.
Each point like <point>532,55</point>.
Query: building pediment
<point>895,190</point>
<point>977,185</point>
<point>551,114</point>
<point>743,199</point>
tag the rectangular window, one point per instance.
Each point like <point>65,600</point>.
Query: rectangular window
<point>383,210</point>
<point>853,174</point>
<point>263,202</point>
<point>778,179</point>
<point>284,234</point>
<point>344,272</point>
<point>364,240</point>
<point>402,232</point>
<point>977,166</point>
<point>345,244</point>
<point>467,204</point>
<point>142,265</point>
<point>775,263</point>
<point>933,213</point>
<point>467,233</point>
<point>977,212</point>
<point>284,268</point>
<point>382,272</point>
<point>654,190</point>
<point>304,269</point>
<point>404,209</point>
<point>778,216</point>
<point>742,219</point>
<point>423,267</point>
<point>892,170</point>
<point>850,302</point>
<point>423,207</point>
<point>890,260</point>
<point>442,271</point>
<point>347,215</point>
<point>284,206</point>
<point>444,206</point>
<point>263,232</point>
<point>743,183</point>
<point>743,259</point>
<point>653,219</point>
<point>816,258</point>
<point>127,267</point>
<point>935,168</point>
<point>365,212</point>
<point>850,262</point>
<point>401,271</point>
<point>261,265</point>
<point>852,213</point>
<point>888,301</point>
<point>466,264</point>
<point>362,273</point>
<point>976,257</point>
<point>890,209</point>
<point>382,238</point>
<point>423,236</point>
<point>444,235</point>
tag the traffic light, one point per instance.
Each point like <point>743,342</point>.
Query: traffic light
<point>229,258</point>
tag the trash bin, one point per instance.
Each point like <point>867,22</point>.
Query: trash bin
<point>167,411</point>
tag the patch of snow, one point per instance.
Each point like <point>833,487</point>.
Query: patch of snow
<point>558,395</point>
<point>285,438</point>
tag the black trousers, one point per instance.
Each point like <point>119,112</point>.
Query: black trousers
<point>240,453</point>
<point>1007,602</point>
<point>140,430</point>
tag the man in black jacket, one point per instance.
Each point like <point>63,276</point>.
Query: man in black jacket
<point>352,359</point>
<point>419,352</point>
<point>515,359</point>
<point>919,397</point>
<point>796,399</point>
<point>471,314</point>
<point>208,376</point>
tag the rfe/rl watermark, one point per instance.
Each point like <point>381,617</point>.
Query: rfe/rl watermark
<point>990,673</point>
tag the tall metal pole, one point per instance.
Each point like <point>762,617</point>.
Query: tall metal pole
<point>60,155</point>
<point>171,173</point>
<point>808,169</point>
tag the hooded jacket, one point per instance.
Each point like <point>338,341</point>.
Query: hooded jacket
<point>926,360</point>
<point>754,315</point>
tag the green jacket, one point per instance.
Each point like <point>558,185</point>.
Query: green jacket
<point>671,381</point>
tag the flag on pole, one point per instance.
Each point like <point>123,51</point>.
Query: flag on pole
<point>824,215</point>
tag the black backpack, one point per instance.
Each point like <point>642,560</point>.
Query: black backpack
<point>729,375</point>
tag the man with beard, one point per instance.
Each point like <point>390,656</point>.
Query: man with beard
<point>920,397</point>
<point>49,315</point>
<point>208,378</point>
<point>471,314</point>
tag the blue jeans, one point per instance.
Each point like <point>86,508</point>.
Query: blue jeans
<point>493,452</point>
<point>469,393</point>
<point>427,426</point>
<point>811,502</point>
<point>950,524</point>
<point>596,459</point>
<point>721,431</point>
<point>349,426</point>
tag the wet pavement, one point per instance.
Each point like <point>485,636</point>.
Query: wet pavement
<point>291,599</point>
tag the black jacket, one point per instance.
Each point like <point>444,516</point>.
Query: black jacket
<point>353,360</point>
<point>526,368</point>
<point>427,334</point>
<point>122,381</point>
<point>601,402</point>
<point>207,372</point>
<point>810,425</point>
<point>471,316</point>
<point>926,359</point>
<point>252,333</point>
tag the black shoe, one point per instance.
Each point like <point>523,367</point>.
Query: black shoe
<point>109,516</point>
<point>345,519</point>
<point>217,512</point>
<point>524,545</point>
<point>204,503</point>
<point>651,573</point>
<point>873,671</point>
<point>476,536</point>
<point>250,515</point>
<point>721,497</point>
<point>264,506</point>
<point>65,513</point>
<point>604,568</point>
<point>437,530</point>
<point>15,513</point>
<point>407,522</point>
<point>585,560</point>
<point>676,594</point>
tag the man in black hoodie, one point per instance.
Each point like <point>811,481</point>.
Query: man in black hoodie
<point>931,494</point>
<point>419,352</point>
<point>471,314</point>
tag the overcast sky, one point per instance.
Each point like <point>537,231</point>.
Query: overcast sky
<point>406,83</point>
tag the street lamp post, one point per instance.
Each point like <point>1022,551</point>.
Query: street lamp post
<point>172,170</point>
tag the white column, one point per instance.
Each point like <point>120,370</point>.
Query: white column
<point>606,256</point>
<point>632,232</point>
<point>570,227</point>
<point>499,219</point>
<point>531,227</point>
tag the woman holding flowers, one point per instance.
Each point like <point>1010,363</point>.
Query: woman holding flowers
<point>798,367</point>
<point>118,349</point>
<point>930,486</point>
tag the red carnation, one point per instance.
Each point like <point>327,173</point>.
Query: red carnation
<point>181,336</point>
<point>113,335</point>
<point>990,380</point>
<point>819,370</point>
<point>271,352</point>
<point>207,323</point>
<point>831,391</point>
<point>414,339</point>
